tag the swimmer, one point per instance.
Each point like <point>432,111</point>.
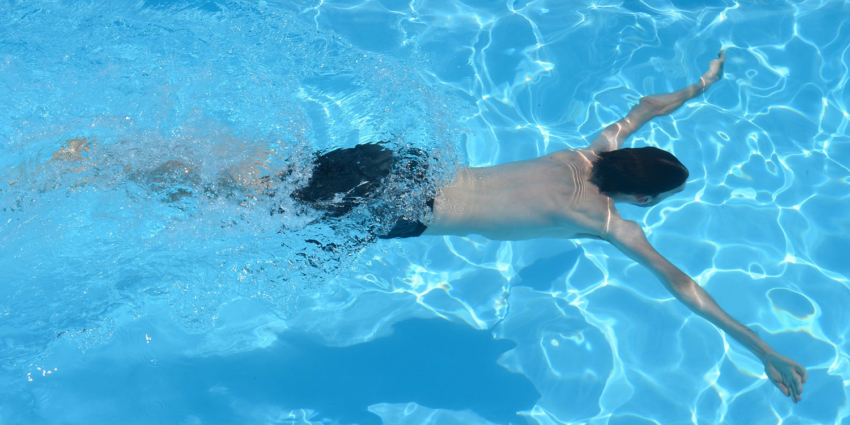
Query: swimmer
<point>567,194</point>
<point>571,194</point>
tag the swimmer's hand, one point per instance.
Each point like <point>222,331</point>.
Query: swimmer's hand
<point>786,374</point>
<point>715,71</point>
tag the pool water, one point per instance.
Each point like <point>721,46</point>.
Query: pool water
<point>153,270</point>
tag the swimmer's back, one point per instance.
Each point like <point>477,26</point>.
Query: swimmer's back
<point>550,196</point>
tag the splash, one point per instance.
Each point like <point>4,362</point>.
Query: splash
<point>151,157</point>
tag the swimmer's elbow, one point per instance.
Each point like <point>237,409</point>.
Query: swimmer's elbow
<point>688,293</point>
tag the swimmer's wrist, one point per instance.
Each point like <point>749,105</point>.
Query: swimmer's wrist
<point>765,354</point>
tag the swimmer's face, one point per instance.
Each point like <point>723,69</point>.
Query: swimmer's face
<point>650,201</point>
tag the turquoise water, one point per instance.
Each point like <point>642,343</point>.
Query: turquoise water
<point>143,280</point>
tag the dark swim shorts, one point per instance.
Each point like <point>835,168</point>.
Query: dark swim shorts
<point>357,174</point>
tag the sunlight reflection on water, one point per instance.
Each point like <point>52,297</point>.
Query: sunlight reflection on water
<point>95,263</point>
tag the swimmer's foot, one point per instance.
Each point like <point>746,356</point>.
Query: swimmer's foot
<point>73,150</point>
<point>715,71</point>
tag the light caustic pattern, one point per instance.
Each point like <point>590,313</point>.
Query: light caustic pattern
<point>760,224</point>
<point>148,157</point>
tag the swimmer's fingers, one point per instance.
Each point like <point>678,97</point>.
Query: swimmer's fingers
<point>803,373</point>
<point>793,381</point>
<point>795,375</point>
<point>786,389</point>
<point>715,71</point>
<point>776,378</point>
<point>722,60</point>
<point>783,388</point>
<point>786,374</point>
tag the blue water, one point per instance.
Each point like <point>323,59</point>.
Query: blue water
<point>143,280</point>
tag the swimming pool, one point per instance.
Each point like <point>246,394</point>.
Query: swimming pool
<point>140,281</point>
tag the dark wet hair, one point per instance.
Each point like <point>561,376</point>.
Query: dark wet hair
<point>638,171</point>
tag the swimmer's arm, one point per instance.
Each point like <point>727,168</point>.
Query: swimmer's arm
<point>613,137</point>
<point>629,238</point>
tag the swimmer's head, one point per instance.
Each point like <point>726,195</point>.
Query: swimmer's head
<point>642,176</point>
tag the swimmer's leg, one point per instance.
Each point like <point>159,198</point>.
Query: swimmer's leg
<point>73,150</point>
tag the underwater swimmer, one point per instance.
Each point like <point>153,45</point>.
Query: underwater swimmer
<point>571,194</point>
<point>568,194</point>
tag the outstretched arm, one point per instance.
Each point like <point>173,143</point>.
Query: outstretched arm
<point>614,135</point>
<point>785,373</point>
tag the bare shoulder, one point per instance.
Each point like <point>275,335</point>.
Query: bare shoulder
<point>630,239</point>
<point>624,232</point>
<point>568,155</point>
<point>579,160</point>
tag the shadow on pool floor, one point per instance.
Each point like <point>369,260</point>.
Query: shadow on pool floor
<point>433,363</point>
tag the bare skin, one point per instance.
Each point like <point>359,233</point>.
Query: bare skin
<point>243,177</point>
<point>73,150</point>
<point>553,196</point>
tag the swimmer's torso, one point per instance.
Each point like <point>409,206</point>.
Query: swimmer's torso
<point>550,196</point>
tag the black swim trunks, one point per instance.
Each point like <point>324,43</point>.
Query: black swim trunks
<point>345,178</point>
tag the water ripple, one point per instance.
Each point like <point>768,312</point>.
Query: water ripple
<point>759,224</point>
